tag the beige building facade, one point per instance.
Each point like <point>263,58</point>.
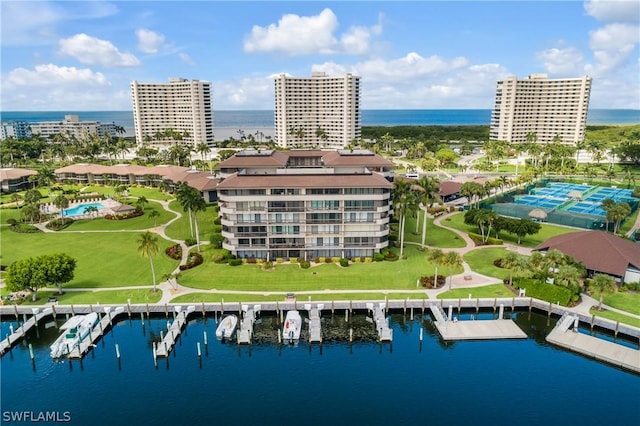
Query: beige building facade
<point>541,106</point>
<point>318,111</point>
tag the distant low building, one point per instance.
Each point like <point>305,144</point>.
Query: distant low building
<point>12,180</point>
<point>15,129</point>
<point>73,126</point>
<point>449,191</point>
<point>599,252</point>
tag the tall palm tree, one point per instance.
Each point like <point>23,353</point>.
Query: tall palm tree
<point>404,202</point>
<point>203,149</point>
<point>197,205</point>
<point>148,247</point>
<point>602,284</point>
<point>46,176</point>
<point>451,260</point>
<point>153,214</point>
<point>435,256</point>
<point>322,135</point>
<point>183,195</point>
<point>427,187</point>
<point>141,202</point>
<point>61,202</point>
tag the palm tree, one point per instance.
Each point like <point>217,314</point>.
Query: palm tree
<point>203,149</point>
<point>602,284</point>
<point>606,205</point>
<point>511,261</point>
<point>426,186</point>
<point>322,135</point>
<point>154,215</point>
<point>61,202</point>
<point>90,210</point>
<point>451,260</point>
<point>142,201</point>
<point>183,195</point>
<point>435,256</point>
<point>404,203</point>
<point>15,198</point>
<point>148,247</point>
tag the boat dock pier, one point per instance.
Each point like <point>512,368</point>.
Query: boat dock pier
<point>385,334</point>
<point>173,332</point>
<point>452,329</point>
<point>245,333</point>
<point>105,323</point>
<point>602,350</point>
<point>315,329</point>
<point>21,331</point>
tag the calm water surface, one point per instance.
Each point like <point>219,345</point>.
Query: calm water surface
<point>494,382</point>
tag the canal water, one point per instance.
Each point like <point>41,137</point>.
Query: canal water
<point>521,382</point>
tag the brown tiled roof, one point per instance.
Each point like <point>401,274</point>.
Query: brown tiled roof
<point>449,188</point>
<point>276,159</point>
<point>333,158</point>
<point>123,169</point>
<point>202,181</point>
<point>597,250</point>
<point>6,174</point>
<point>373,180</point>
<point>280,158</point>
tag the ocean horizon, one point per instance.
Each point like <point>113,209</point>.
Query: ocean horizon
<point>227,123</point>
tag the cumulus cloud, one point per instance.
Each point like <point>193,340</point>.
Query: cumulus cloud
<point>245,93</point>
<point>49,86</point>
<point>93,51</point>
<point>149,41</point>
<point>305,35</point>
<point>613,10</point>
<point>562,62</point>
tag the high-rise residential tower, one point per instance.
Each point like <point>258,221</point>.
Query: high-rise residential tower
<point>542,107</point>
<point>317,112</point>
<point>182,106</point>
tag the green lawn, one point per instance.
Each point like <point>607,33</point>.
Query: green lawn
<point>103,259</point>
<point>481,261</point>
<point>104,297</point>
<point>614,316</point>
<point>488,291</point>
<point>180,228</point>
<point>627,301</point>
<point>436,236</point>
<point>547,231</point>
<point>249,298</point>
<point>7,213</point>
<point>136,223</point>
<point>134,191</point>
<point>397,275</point>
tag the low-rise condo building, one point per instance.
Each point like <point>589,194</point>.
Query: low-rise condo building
<point>540,108</point>
<point>305,204</point>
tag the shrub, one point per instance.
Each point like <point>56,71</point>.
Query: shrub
<point>137,212</point>
<point>368,260</point>
<point>378,257</point>
<point>631,286</point>
<point>293,259</point>
<point>427,281</point>
<point>498,262</point>
<point>190,242</point>
<point>193,260</point>
<point>219,258</point>
<point>58,224</point>
<point>11,221</point>
<point>548,292</point>
<point>344,262</point>
<point>391,256</point>
<point>357,259</point>
<point>251,260</point>
<point>235,262</point>
<point>305,264</point>
<point>23,228</point>
<point>216,240</point>
<point>268,265</point>
<point>335,259</point>
<point>279,260</point>
<point>174,252</point>
<point>328,260</point>
<point>320,260</point>
<point>217,221</point>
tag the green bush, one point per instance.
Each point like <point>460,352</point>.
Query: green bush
<point>344,262</point>
<point>293,259</point>
<point>305,264</point>
<point>268,265</point>
<point>190,241</point>
<point>548,292</point>
<point>235,262</point>
<point>335,259</point>
<point>631,286</point>
<point>217,221</point>
<point>216,240</point>
<point>378,257</point>
<point>279,260</point>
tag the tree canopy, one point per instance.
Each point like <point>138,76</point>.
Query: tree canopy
<point>34,273</point>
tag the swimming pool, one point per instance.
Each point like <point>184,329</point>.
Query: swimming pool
<point>79,209</point>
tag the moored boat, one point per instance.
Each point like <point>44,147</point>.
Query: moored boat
<point>76,329</point>
<point>292,327</point>
<point>227,327</point>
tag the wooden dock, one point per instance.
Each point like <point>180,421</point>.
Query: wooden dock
<point>105,323</point>
<point>19,333</point>
<point>474,330</point>
<point>245,334</point>
<point>163,349</point>
<point>315,329</point>
<point>385,334</point>
<point>593,347</point>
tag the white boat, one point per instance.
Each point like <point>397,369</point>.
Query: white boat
<point>292,327</point>
<point>76,329</point>
<point>227,327</point>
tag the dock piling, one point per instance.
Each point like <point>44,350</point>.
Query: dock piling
<point>199,351</point>
<point>205,338</point>
<point>421,332</point>
<point>117,351</point>
<point>31,355</point>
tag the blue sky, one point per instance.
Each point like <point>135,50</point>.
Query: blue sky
<point>77,55</point>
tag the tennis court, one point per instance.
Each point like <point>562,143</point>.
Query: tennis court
<point>616,194</point>
<point>539,201</point>
<point>587,208</point>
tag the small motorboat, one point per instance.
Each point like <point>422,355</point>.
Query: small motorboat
<point>76,329</point>
<point>292,327</point>
<point>227,327</point>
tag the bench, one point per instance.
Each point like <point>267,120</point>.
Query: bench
<point>468,277</point>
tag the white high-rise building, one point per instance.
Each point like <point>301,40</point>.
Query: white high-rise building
<point>317,112</point>
<point>541,106</point>
<point>183,106</point>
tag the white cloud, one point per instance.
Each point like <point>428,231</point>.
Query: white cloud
<point>409,67</point>
<point>186,59</point>
<point>562,62</point>
<point>305,35</point>
<point>614,36</point>
<point>613,10</point>
<point>149,41</point>
<point>93,51</point>
<point>52,87</point>
<point>244,93</point>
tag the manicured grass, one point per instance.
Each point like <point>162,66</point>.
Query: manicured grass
<point>103,259</point>
<point>547,231</point>
<point>7,213</point>
<point>397,275</point>
<point>629,222</point>
<point>488,291</point>
<point>134,191</point>
<point>180,229</point>
<point>626,301</point>
<point>481,261</point>
<point>103,297</point>
<point>135,223</point>
<point>436,236</point>
<point>614,316</point>
<point>235,297</point>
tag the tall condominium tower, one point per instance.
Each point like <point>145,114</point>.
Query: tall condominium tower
<point>181,106</point>
<point>542,107</point>
<point>317,112</point>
